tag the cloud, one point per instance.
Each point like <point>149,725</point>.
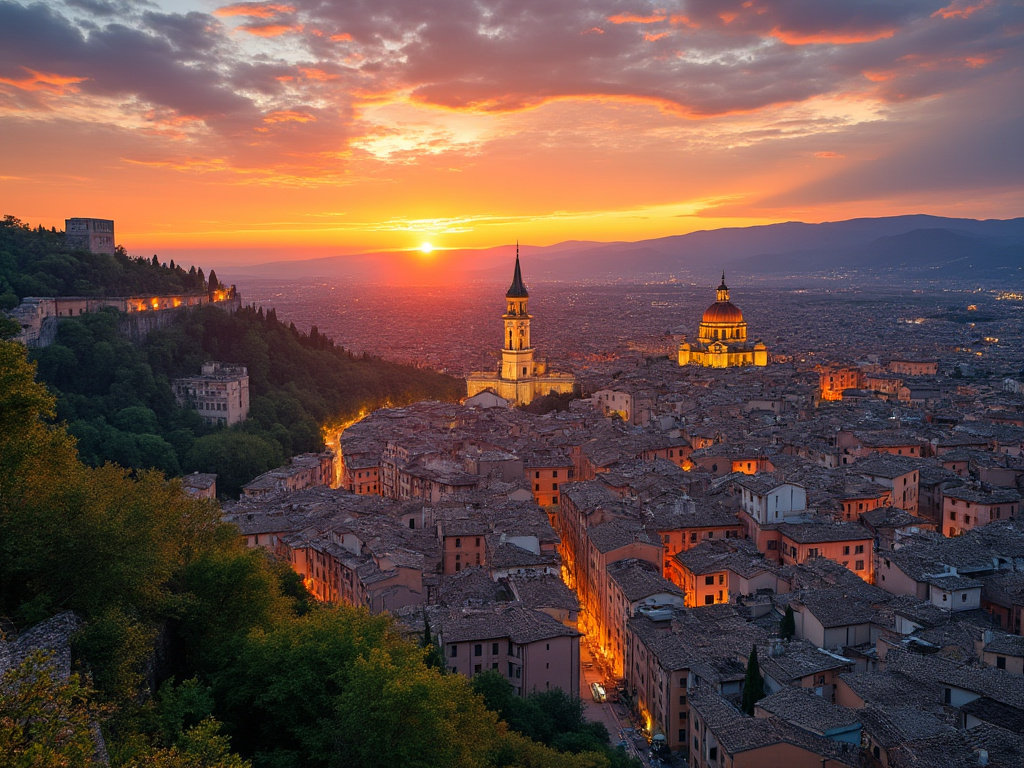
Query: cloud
<point>296,87</point>
<point>270,30</point>
<point>254,10</point>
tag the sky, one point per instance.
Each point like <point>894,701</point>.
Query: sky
<point>299,128</point>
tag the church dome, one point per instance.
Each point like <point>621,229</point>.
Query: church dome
<point>723,312</point>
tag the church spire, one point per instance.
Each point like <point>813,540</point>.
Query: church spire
<point>517,290</point>
<point>723,290</point>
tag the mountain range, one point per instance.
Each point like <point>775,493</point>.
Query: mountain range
<point>912,247</point>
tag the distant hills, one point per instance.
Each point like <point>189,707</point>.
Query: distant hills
<point>917,246</point>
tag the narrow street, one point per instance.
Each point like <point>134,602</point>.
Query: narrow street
<point>612,714</point>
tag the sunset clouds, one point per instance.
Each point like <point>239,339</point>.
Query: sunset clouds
<point>385,110</point>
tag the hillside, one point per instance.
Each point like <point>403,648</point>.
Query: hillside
<point>116,396</point>
<point>38,262</point>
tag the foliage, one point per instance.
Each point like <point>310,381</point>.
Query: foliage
<point>787,627</point>
<point>753,684</point>
<point>38,262</point>
<point>45,721</point>
<point>117,398</point>
<point>201,746</point>
<point>551,717</point>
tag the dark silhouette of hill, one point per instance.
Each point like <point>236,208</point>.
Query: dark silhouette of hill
<point>918,245</point>
<point>924,252</point>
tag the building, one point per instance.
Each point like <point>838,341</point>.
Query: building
<point>970,507</point>
<point>220,393</point>
<point>93,235</point>
<point>832,381</point>
<point>532,650</point>
<point>521,378</point>
<point>200,485</point>
<point>722,338</point>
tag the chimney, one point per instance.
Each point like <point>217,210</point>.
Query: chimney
<point>775,646</point>
<point>982,757</point>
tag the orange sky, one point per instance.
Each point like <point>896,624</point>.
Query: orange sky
<point>287,129</point>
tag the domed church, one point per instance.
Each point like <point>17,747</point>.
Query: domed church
<point>722,338</point>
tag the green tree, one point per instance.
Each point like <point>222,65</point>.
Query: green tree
<point>753,684</point>
<point>45,722</point>
<point>236,457</point>
<point>202,746</point>
<point>787,627</point>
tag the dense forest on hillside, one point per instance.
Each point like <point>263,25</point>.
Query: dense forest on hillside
<point>116,397</point>
<point>196,652</point>
<point>38,262</point>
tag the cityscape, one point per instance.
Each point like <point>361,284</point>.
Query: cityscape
<point>531,385</point>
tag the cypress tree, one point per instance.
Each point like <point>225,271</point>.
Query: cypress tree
<point>787,627</point>
<point>753,684</point>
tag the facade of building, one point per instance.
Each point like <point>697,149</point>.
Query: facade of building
<point>93,235</point>
<point>533,651</point>
<point>521,378</point>
<point>965,508</point>
<point>220,393</point>
<point>722,338</point>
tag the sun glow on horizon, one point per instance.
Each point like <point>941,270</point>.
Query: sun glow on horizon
<point>426,249</point>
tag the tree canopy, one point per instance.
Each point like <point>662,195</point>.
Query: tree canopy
<point>40,262</point>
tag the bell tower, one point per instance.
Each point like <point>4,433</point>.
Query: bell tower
<point>517,352</point>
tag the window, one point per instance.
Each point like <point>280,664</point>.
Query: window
<point>478,650</point>
<point>1000,662</point>
<point>709,580</point>
<point>478,541</point>
<point>859,549</point>
<point>453,651</point>
<point>554,474</point>
<point>963,597</point>
<point>713,754</point>
<point>554,486</point>
<point>693,537</point>
<point>709,599</point>
<point>494,649</point>
<point>846,550</point>
<point>721,578</point>
<point>494,665</point>
<point>858,565</point>
<point>536,475</point>
<point>458,542</point>
<point>711,534</point>
<point>947,695</point>
<point>477,668</point>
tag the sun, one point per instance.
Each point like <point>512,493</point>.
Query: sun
<point>426,248</point>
